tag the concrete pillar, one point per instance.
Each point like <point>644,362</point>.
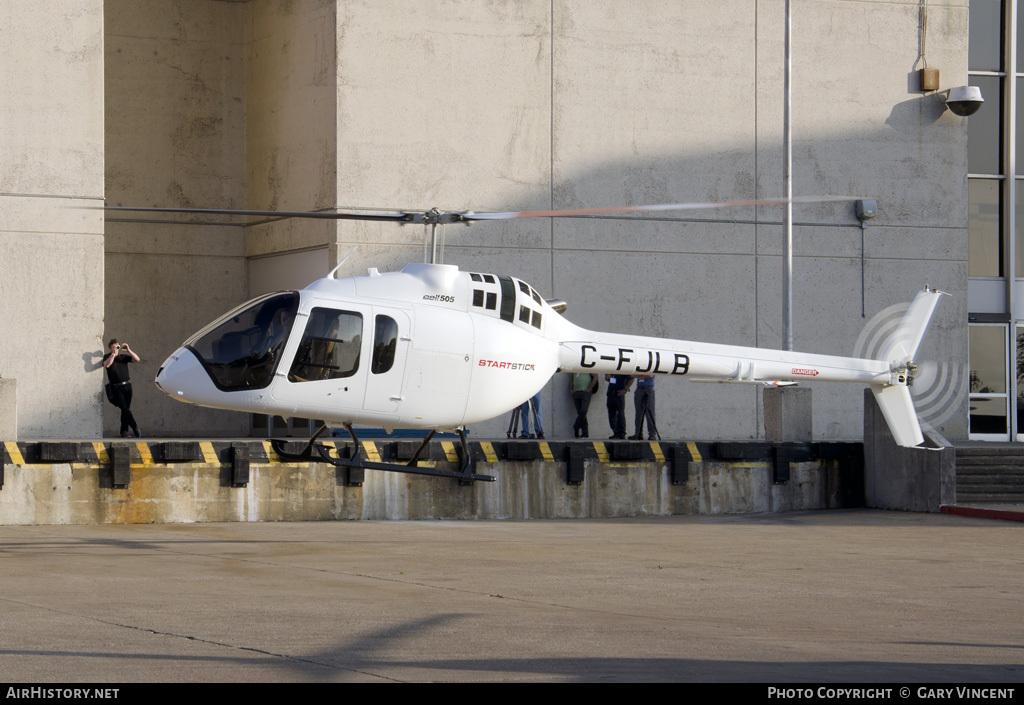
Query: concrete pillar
<point>8,409</point>
<point>51,235</point>
<point>787,414</point>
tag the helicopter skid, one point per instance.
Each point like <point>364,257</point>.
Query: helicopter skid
<point>466,475</point>
<point>409,469</point>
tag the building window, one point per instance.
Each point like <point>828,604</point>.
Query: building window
<point>995,260</point>
<point>986,141</point>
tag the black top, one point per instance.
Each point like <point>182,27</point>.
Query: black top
<point>118,370</point>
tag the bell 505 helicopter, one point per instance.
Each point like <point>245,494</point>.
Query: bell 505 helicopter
<point>432,347</point>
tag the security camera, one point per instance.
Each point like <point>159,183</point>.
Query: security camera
<point>964,100</point>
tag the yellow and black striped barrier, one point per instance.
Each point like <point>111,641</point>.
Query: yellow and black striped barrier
<point>88,452</point>
<point>238,454</point>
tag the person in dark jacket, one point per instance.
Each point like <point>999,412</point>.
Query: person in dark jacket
<point>119,384</point>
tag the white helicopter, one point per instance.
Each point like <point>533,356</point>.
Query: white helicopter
<point>433,347</point>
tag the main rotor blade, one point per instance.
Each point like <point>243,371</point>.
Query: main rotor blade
<point>655,207</point>
<point>399,217</point>
<point>437,216</point>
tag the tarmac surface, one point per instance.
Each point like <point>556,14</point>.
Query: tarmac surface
<point>818,597</point>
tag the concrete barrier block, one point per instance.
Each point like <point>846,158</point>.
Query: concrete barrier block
<point>787,414</point>
<point>912,479</point>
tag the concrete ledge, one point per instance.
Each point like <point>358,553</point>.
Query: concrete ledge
<point>207,489</point>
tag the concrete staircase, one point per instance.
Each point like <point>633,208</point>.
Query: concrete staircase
<point>990,475</point>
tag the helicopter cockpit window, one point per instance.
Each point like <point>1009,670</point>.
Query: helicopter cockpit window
<point>330,346</point>
<point>385,339</point>
<point>241,349</point>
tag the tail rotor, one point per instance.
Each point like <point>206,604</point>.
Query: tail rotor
<point>935,387</point>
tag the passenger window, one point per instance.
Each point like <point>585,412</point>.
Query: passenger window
<point>385,340</point>
<point>330,346</point>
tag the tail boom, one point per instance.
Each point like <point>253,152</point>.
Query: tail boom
<point>605,353</point>
<point>889,377</point>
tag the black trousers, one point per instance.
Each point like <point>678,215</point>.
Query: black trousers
<point>122,394</point>
<point>582,402</point>
<point>643,402</point>
<point>617,415</point>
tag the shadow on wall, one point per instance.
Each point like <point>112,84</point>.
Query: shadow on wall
<point>93,360</point>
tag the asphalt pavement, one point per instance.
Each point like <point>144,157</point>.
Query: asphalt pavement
<point>818,597</point>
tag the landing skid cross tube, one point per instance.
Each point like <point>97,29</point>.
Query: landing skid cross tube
<point>357,460</point>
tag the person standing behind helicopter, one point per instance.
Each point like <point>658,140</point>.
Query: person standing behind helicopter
<point>618,385</point>
<point>582,386</point>
<point>643,402</point>
<point>119,386</point>
<point>532,404</point>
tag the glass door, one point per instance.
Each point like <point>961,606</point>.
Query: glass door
<point>989,407</point>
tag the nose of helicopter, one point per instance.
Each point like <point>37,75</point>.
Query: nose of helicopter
<point>182,377</point>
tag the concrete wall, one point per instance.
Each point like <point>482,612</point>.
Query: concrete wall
<point>209,104</point>
<point>51,250</point>
<point>291,91</point>
<point>567,104</point>
<point>81,493</point>
<point>175,125</point>
<point>290,94</point>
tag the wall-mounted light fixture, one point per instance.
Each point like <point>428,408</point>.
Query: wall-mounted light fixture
<point>964,100</point>
<point>865,208</point>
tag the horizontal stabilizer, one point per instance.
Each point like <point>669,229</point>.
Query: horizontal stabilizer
<point>898,410</point>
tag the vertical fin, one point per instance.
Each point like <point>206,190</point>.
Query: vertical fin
<point>903,344</point>
<point>898,409</point>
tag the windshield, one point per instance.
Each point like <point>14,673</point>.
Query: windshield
<point>241,349</point>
